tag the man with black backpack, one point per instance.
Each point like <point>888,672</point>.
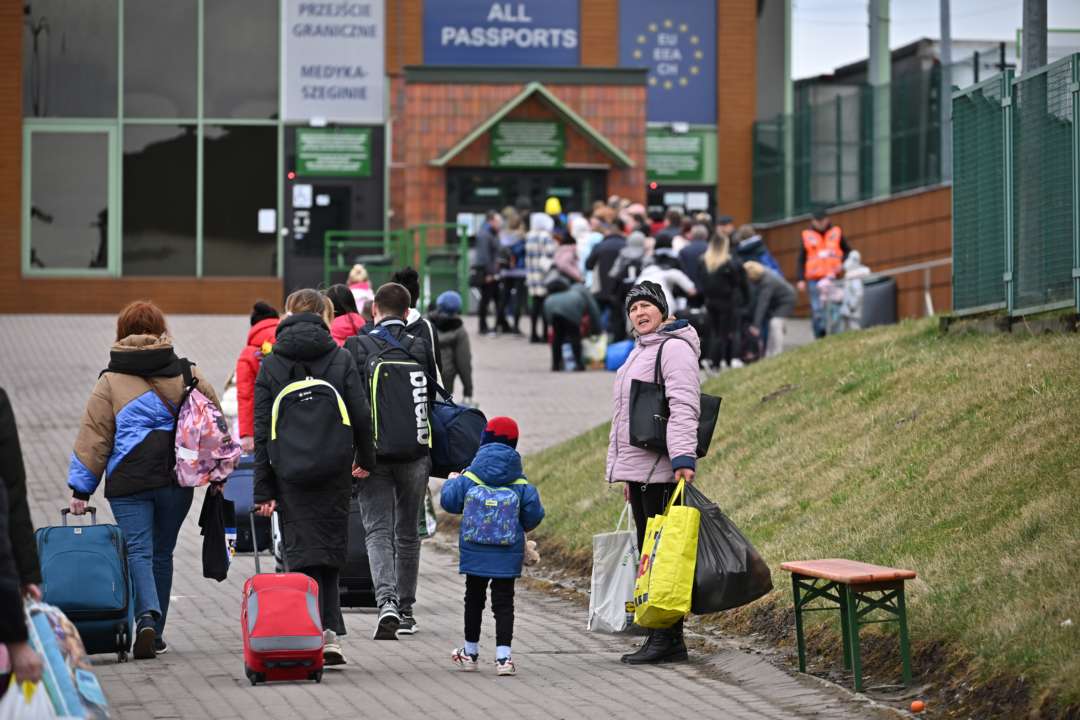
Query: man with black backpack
<point>396,368</point>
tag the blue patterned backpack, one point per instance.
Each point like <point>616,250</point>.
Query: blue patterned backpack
<point>492,515</point>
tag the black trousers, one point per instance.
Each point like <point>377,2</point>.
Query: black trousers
<point>565,332</point>
<point>646,500</point>
<point>489,292</point>
<point>616,315</point>
<point>723,326</point>
<point>502,607</point>
<point>329,596</point>
<point>513,300</point>
<point>536,317</point>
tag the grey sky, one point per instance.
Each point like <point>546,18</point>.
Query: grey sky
<point>829,33</point>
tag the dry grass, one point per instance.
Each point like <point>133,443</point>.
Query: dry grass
<point>958,457</point>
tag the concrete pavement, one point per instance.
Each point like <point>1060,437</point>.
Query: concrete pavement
<point>48,365</point>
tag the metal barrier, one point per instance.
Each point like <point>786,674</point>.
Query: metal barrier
<point>442,265</point>
<point>924,267</point>
<point>1016,192</point>
<point>380,252</point>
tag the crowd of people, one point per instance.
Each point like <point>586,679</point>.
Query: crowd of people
<point>570,274</point>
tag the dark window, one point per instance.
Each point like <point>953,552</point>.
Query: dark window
<point>239,180</point>
<point>69,200</point>
<point>69,58</point>
<point>159,200</point>
<point>160,48</point>
<point>240,59</point>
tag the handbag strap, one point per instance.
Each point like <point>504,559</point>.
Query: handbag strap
<point>675,496</point>
<point>658,375</point>
<point>624,516</point>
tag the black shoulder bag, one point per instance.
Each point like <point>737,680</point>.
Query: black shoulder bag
<point>649,412</point>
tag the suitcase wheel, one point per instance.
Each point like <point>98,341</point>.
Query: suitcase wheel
<point>316,676</point>
<point>254,677</point>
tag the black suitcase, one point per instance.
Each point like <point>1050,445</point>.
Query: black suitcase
<point>356,586</point>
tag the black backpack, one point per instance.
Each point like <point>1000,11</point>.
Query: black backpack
<point>311,435</point>
<point>397,387</point>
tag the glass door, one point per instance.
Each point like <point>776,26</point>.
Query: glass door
<point>69,200</point>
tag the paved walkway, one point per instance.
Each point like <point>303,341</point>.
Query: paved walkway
<point>48,365</point>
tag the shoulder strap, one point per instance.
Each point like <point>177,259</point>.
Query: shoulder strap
<point>385,335</point>
<point>658,375</point>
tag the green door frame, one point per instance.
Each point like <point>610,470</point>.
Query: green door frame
<point>107,128</point>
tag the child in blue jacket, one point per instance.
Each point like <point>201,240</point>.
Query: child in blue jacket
<point>498,506</point>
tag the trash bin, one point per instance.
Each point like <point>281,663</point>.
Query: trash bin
<point>879,302</point>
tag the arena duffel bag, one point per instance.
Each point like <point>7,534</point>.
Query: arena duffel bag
<point>455,436</point>
<point>310,432</point>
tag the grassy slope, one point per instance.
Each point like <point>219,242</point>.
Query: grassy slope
<point>955,456</point>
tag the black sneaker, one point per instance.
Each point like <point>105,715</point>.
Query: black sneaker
<point>145,635</point>
<point>160,646</point>
<point>408,623</point>
<point>389,621</point>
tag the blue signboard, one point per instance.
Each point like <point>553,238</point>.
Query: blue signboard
<point>676,41</point>
<point>484,32</point>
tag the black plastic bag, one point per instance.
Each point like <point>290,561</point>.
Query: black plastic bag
<point>215,554</point>
<point>729,572</point>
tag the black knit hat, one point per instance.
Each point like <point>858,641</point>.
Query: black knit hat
<point>262,311</point>
<point>649,292</point>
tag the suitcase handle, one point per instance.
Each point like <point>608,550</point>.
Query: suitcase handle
<point>255,541</point>
<point>89,508</point>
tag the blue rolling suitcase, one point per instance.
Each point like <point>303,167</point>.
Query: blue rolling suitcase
<point>85,573</point>
<point>240,489</point>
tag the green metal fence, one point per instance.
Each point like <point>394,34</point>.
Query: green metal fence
<point>1016,201</point>
<point>981,119</point>
<point>440,252</point>
<point>829,147</point>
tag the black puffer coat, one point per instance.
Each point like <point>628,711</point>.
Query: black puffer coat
<point>20,527</point>
<point>314,517</point>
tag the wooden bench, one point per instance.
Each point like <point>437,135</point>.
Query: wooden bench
<point>857,589</point>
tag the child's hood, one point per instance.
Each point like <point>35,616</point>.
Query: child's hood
<point>497,464</point>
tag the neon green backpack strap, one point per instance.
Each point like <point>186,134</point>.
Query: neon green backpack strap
<point>472,476</point>
<point>303,385</point>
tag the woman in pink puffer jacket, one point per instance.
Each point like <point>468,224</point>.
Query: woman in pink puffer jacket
<point>650,477</point>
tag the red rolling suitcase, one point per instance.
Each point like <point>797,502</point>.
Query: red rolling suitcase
<point>281,626</point>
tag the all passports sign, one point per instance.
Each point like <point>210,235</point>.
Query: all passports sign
<point>482,32</point>
<point>332,61</point>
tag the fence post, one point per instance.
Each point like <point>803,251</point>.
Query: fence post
<point>1007,189</point>
<point>839,150</point>
<point>1075,88</point>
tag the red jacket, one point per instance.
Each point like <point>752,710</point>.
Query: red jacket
<point>260,339</point>
<point>345,326</point>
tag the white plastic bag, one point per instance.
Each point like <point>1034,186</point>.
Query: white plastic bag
<point>24,701</point>
<point>614,570</point>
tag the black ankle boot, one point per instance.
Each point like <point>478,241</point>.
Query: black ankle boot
<point>632,658</point>
<point>663,646</point>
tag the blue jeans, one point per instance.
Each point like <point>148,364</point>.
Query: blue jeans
<point>817,309</point>
<point>150,521</point>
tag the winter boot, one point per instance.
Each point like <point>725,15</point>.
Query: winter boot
<point>632,658</point>
<point>664,646</point>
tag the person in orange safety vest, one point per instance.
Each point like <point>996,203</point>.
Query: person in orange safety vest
<point>821,256</point>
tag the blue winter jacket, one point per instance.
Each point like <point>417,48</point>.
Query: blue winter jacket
<point>496,465</point>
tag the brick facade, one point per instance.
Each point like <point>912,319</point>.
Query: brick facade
<point>438,116</point>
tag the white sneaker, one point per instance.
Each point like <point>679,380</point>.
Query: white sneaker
<point>464,660</point>
<point>505,666</point>
<point>332,654</point>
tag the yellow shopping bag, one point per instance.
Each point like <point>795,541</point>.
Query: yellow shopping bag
<point>665,579</point>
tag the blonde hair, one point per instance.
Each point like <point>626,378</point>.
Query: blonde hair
<point>311,301</point>
<point>358,274</point>
<point>718,252</point>
<point>754,270</point>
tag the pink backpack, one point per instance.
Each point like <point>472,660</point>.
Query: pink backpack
<point>205,451</point>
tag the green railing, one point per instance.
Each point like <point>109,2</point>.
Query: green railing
<point>824,154</point>
<point>1016,192</point>
<point>440,252</point>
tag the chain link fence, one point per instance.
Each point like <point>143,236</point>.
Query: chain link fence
<point>1016,192</point>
